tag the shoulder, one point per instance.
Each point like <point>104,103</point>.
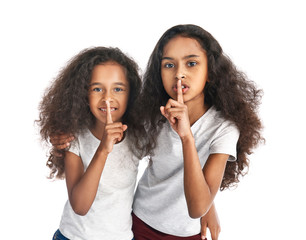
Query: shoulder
<point>217,119</point>
<point>83,140</point>
<point>214,126</point>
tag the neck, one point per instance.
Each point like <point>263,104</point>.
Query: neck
<point>196,109</point>
<point>98,129</point>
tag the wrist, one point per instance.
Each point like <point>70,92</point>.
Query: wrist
<point>102,151</point>
<point>187,139</point>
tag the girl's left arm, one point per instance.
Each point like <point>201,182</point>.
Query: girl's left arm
<point>201,185</point>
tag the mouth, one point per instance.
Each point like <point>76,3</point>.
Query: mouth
<point>104,109</point>
<point>185,88</point>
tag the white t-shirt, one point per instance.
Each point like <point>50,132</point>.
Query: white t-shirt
<point>159,200</point>
<point>110,214</point>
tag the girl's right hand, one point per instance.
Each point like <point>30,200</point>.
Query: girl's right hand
<point>113,132</point>
<point>177,114</point>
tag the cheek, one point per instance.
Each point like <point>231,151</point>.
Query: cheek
<point>166,82</point>
<point>124,102</point>
<point>92,101</point>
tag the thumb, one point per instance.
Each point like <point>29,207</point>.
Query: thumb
<point>124,127</point>
<point>162,110</point>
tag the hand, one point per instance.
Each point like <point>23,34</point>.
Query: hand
<point>61,141</point>
<point>177,113</point>
<point>113,132</point>
<point>211,221</point>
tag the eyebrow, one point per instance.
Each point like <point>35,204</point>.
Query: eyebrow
<point>186,57</point>
<point>116,83</point>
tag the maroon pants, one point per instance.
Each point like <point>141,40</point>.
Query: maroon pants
<point>143,231</point>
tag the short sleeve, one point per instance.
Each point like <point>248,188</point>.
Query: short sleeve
<point>75,147</point>
<point>226,141</point>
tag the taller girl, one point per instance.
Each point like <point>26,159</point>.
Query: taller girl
<point>201,116</point>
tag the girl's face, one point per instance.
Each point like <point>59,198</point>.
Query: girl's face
<point>184,58</point>
<point>108,82</point>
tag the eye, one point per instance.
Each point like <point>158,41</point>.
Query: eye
<point>191,64</point>
<point>97,90</point>
<point>169,65</point>
<point>118,89</point>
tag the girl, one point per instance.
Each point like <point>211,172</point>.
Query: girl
<point>68,107</point>
<point>93,98</point>
<point>201,118</point>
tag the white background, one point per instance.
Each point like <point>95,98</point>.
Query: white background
<point>266,39</point>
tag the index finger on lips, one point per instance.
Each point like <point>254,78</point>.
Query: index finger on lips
<point>179,91</point>
<point>108,113</point>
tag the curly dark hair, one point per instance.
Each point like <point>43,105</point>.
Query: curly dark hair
<point>228,89</point>
<point>64,108</point>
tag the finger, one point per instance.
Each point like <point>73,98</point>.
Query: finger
<point>108,113</point>
<point>162,110</point>
<point>116,137</point>
<point>175,114</point>
<point>61,139</point>
<point>115,128</point>
<point>172,104</point>
<point>165,114</point>
<point>179,91</point>
<point>124,127</point>
<point>61,146</point>
<point>215,234</point>
<point>203,231</point>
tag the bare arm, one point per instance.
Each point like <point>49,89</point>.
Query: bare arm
<point>82,186</point>
<point>201,185</point>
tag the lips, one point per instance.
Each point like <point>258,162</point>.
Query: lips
<point>103,109</point>
<point>185,88</point>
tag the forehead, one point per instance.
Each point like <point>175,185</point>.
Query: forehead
<point>109,71</point>
<point>182,46</point>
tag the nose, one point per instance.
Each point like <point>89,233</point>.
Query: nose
<point>180,73</point>
<point>107,96</point>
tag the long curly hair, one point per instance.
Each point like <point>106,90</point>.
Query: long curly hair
<point>64,108</point>
<point>228,89</point>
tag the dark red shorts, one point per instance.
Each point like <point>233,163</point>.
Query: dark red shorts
<point>143,231</point>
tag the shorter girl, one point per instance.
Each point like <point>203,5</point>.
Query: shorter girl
<point>93,99</point>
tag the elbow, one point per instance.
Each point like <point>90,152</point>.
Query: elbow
<point>80,212</point>
<point>197,212</point>
<point>79,209</point>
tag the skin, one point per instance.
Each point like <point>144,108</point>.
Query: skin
<point>183,58</point>
<point>210,220</point>
<point>108,94</point>
<point>184,63</point>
